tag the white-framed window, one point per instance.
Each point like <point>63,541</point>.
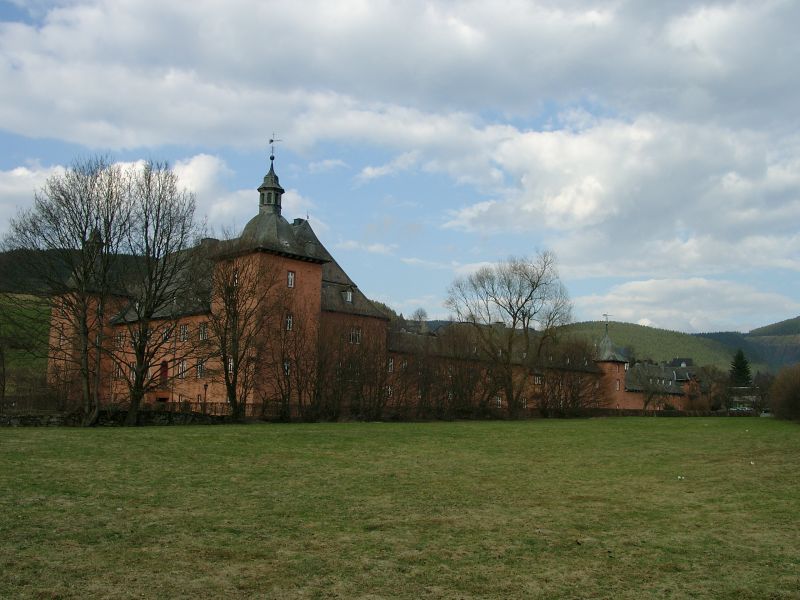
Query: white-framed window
<point>287,367</point>
<point>616,386</point>
<point>182,369</point>
<point>524,402</point>
<point>117,370</point>
<point>290,279</point>
<point>200,368</point>
<point>389,391</point>
<point>404,364</point>
<point>230,364</point>
<point>165,335</point>
<point>348,296</point>
<point>390,366</point>
<point>538,380</point>
<point>498,401</point>
<point>202,330</point>
<point>355,335</point>
<point>236,278</point>
<point>119,341</point>
<point>183,333</point>
<point>289,321</point>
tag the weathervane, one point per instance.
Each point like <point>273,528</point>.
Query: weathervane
<point>606,315</point>
<point>272,142</point>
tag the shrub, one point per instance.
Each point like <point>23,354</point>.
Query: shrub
<point>785,393</point>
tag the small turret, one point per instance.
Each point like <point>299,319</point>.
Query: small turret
<point>270,191</point>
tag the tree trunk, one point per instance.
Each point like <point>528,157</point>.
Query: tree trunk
<point>132,418</point>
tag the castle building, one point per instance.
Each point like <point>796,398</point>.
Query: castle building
<point>275,328</point>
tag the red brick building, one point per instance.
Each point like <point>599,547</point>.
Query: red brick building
<point>311,345</point>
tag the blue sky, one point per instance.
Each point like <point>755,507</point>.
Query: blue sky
<point>654,147</point>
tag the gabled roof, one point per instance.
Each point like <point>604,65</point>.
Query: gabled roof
<point>335,282</point>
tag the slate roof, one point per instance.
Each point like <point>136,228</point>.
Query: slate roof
<point>270,231</point>
<point>459,340</point>
<point>335,282</point>
<point>663,378</point>
<point>607,353</point>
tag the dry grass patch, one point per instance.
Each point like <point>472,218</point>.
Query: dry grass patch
<point>540,509</point>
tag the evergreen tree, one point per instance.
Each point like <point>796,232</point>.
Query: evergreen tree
<point>740,370</point>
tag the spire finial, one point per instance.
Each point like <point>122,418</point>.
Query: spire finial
<point>272,141</point>
<point>606,315</point>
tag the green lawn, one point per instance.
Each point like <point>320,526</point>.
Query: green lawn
<point>602,508</point>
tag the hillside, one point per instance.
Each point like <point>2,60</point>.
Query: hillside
<point>787,327</point>
<point>663,345</point>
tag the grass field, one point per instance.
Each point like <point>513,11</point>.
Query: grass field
<point>602,508</point>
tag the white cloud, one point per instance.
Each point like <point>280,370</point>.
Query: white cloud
<point>659,141</point>
<point>426,263</point>
<point>18,186</point>
<point>328,164</point>
<point>401,163</point>
<point>693,305</point>
<point>373,248</point>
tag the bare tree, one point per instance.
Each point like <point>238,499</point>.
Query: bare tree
<point>162,275</point>
<point>245,301</point>
<point>292,362</point>
<point>514,308</point>
<point>569,380</point>
<point>69,241</point>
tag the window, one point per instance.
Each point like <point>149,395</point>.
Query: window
<point>389,391</point>
<point>183,333</point>
<point>286,367</point>
<point>348,296</point>
<point>132,367</point>
<point>524,402</point>
<point>498,401</point>
<point>236,278</point>
<point>166,334</point>
<point>119,341</point>
<point>289,321</point>
<point>230,364</point>
<point>203,331</point>
<point>355,335</point>
<point>390,366</point>
<point>538,379</point>
<point>117,370</point>
<point>616,387</point>
<point>404,364</point>
<point>182,369</point>
<point>200,369</point>
<point>290,279</point>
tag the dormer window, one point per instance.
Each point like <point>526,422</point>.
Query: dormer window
<point>348,296</point>
<point>290,279</point>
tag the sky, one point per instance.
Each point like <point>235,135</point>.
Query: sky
<point>654,147</point>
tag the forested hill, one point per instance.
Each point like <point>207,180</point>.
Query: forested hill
<point>766,348</point>
<point>787,327</point>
